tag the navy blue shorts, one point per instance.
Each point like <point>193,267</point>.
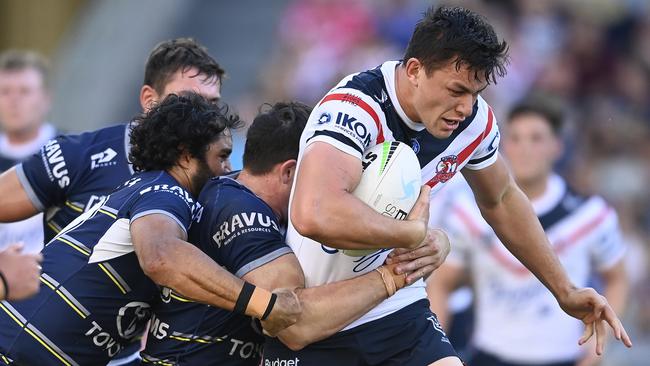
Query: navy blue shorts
<point>411,336</point>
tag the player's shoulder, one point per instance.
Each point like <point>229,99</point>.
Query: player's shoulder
<point>228,197</point>
<point>157,185</point>
<point>593,207</point>
<point>366,89</point>
<point>483,113</point>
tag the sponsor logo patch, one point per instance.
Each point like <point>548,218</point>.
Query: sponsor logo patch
<point>103,159</point>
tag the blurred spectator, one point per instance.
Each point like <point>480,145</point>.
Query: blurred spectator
<point>24,104</point>
<point>594,56</point>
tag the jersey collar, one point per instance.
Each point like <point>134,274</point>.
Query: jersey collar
<point>388,70</point>
<point>555,190</point>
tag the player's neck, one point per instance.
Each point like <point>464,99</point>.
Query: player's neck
<point>534,188</point>
<point>404,93</point>
<point>183,178</point>
<point>262,186</point>
<point>23,136</point>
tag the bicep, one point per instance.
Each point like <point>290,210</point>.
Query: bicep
<point>490,184</point>
<point>282,272</point>
<point>14,200</point>
<point>325,170</point>
<point>150,231</point>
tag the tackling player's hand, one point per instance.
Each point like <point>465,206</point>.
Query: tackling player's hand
<point>423,260</point>
<point>594,310</point>
<point>285,312</point>
<point>21,271</point>
<point>420,212</point>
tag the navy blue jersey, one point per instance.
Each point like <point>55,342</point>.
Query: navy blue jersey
<point>71,173</point>
<point>94,297</point>
<point>240,232</point>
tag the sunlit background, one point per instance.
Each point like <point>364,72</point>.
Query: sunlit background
<point>591,56</point>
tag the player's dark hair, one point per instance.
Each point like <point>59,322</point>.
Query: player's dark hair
<point>186,122</point>
<point>17,60</point>
<point>457,34</point>
<point>274,136</point>
<point>544,107</point>
<point>179,54</point>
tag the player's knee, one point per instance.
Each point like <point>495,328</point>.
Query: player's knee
<point>448,361</point>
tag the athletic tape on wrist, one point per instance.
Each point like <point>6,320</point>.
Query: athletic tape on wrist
<point>5,285</point>
<point>244,298</point>
<point>269,307</point>
<point>389,281</point>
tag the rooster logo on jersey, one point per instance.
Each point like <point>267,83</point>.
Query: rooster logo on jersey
<point>446,168</point>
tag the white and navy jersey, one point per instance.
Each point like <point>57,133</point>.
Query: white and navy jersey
<point>94,297</point>
<point>360,112</point>
<point>517,318</point>
<point>28,231</point>
<point>241,233</point>
<point>71,173</point>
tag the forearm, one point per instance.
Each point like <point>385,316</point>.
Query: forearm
<point>617,288</point>
<point>193,274</point>
<point>439,298</point>
<point>358,226</point>
<point>517,226</point>
<point>342,301</point>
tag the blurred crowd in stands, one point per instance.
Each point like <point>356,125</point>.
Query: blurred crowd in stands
<point>590,58</point>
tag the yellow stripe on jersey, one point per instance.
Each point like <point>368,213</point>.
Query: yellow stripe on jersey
<point>115,281</point>
<point>11,315</point>
<point>74,207</point>
<point>54,228</point>
<point>75,246</point>
<point>29,331</point>
<point>109,214</point>
<point>28,328</point>
<point>65,298</point>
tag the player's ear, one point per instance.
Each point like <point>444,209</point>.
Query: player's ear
<point>413,67</point>
<point>287,171</point>
<point>148,96</point>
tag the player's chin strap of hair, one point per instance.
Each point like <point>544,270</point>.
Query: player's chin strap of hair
<point>254,301</point>
<point>5,287</point>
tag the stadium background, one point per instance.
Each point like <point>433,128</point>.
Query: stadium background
<point>591,56</point>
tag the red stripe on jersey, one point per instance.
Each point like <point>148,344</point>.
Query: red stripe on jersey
<point>559,247</point>
<point>355,100</point>
<point>582,231</point>
<point>469,149</point>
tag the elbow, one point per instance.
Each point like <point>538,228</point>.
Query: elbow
<point>156,266</point>
<point>293,340</point>
<point>307,219</point>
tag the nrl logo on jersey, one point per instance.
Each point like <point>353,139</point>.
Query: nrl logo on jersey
<point>446,168</point>
<point>102,159</point>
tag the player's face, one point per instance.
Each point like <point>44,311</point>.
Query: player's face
<point>445,97</point>
<point>24,102</point>
<point>182,81</point>
<point>531,147</point>
<point>216,162</point>
<point>188,80</point>
<point>218,155</point>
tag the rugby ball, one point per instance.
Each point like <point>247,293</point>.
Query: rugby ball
<point>390,182</point>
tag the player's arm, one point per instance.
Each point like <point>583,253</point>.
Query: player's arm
<point>324,209</point>
<point>508,211</point>
<point>170,261</point>
<point>341,301</point>
<point>440,285</point>
<point>14,200</point>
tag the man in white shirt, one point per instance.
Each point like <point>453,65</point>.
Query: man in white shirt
<point>517,321</point>
<point>24,104</point>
